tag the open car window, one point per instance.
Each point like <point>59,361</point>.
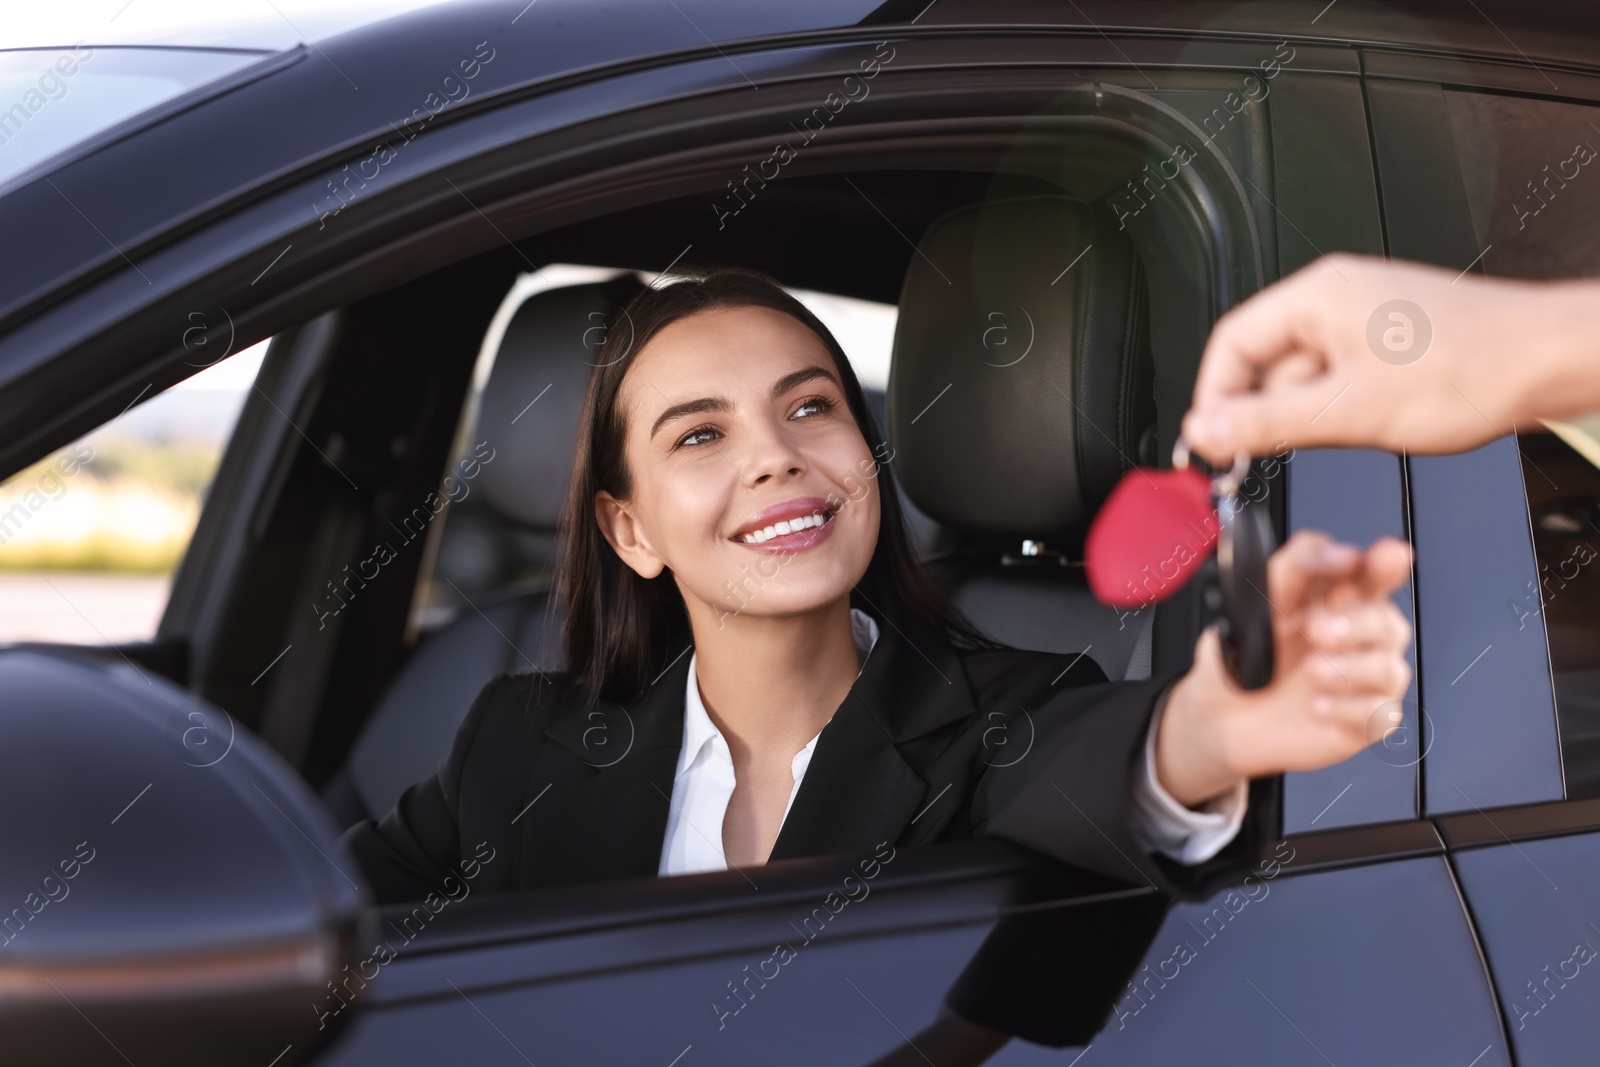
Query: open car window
<point>484,550</point>
<point>90,535</point>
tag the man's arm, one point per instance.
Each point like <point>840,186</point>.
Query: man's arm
<point>1355,351</point>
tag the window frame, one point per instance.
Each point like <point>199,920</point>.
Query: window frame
<point>963,882</point>
<point>509,141</point>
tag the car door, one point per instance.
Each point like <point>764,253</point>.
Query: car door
<point>1356,915</point>
<point>821,960</point>
<point>1275,971</point>
<point>624,970</point>
<point>1498,179</point>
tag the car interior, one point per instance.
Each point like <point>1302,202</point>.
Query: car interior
<point>1042,268</point>
<point>318,558</point>
<point>975,498</point>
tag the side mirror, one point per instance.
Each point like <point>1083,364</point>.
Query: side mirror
<point>170,891</point>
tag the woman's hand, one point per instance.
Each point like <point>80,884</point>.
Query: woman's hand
<point>1339,673</point>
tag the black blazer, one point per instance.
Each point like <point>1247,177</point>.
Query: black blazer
<point>928,746</point>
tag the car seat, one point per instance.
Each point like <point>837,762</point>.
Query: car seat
<point>1021,387</point>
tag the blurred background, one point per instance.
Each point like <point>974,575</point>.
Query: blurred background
<point>106,536</point>
<point>272,24</point>
<point>105,520</point>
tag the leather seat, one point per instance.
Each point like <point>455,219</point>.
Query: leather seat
<point>546,353</point>
<point>1021,387</point>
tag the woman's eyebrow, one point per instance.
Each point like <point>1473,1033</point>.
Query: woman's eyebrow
<point>800,377</point>
<point>690,407</point>
<point>718,403</point>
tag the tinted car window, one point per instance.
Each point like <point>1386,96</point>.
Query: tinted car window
<point>1532,174</point>
<point>1563,487</point>
<point>1531,169</point>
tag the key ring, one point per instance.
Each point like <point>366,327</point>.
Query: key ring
<point>1225,484</point>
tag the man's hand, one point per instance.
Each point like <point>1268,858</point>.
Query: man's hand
<point>1339,673</point>
<point>1354,351</point>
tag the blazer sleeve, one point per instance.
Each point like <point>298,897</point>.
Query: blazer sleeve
<point>411,851</point>
<point>1072,798</point>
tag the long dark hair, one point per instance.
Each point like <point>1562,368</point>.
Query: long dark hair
<point>622,630</point>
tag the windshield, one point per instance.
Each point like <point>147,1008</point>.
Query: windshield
<point>53,98</point>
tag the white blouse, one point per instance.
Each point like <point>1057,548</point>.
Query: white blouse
<point>704,781</point>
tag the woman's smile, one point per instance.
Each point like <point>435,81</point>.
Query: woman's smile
<point>792,526</point>
<point>740,430</point>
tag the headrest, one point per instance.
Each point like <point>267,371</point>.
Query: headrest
<point>1021,383</point>
<point>547,354</point>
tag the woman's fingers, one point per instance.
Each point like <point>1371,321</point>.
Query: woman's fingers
<point>1359,625</point>
<point>1342,671</point>
<point>1307,560</point>
<point>1383,673</point>
<point>1387,566</point>
<point>1359,637</point>
<point>1383,568</point>
<point>1361,721</point>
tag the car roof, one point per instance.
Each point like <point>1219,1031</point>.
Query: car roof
<point>296,109</point>
<point>1537,31</point>
<point>291,117</point>
<point>305,105</point>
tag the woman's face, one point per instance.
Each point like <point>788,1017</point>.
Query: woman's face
<point>750,479</point>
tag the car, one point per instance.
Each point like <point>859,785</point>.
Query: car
<point>431,219</point>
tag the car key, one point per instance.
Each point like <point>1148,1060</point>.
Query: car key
<point>1234,594</point>
<point>1157,530</point>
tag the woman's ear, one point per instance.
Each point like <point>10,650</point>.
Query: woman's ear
<point>621,529</point>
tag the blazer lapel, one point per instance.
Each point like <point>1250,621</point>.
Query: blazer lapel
<point>859,790</point>
<point>610,775</point>
<point>610,769</point>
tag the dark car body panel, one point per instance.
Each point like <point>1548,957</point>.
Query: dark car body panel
<point>1434,875</point>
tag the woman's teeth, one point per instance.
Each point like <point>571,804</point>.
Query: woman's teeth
<point>789,526</point>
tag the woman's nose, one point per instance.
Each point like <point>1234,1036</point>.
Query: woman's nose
<point>770,452</point>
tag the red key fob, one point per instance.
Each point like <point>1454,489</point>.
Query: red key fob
<point>1154,531</point>
<point>1157,529</point>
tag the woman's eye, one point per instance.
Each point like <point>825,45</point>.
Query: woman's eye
<point>817,405</point>
<point>698,436</point>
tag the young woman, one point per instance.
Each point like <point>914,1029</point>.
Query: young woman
<point>758,668</point>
